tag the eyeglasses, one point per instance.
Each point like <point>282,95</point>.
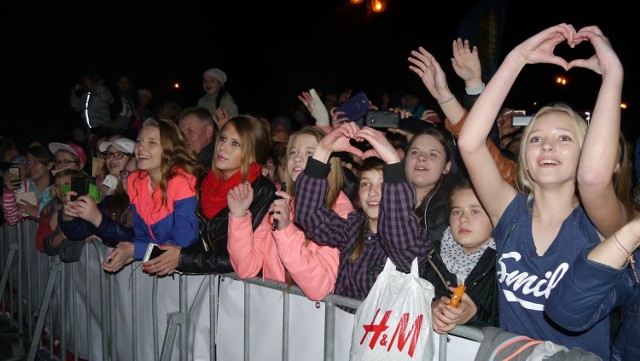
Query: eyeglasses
<point>124,174</point>
<point>64,162</point>
<point>116,155</point>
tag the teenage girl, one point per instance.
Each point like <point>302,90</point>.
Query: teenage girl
<point>385,225</point>
<point>282,250</point>
<point>162,194</point>
<point>242,145</point>
<point>539,231</point>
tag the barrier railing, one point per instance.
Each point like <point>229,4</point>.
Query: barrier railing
<point>93,315</point>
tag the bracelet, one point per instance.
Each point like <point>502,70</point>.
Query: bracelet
<point>618,242</point>
<point>476,90</point>
<point>448,100</point>
<point>630,260</point>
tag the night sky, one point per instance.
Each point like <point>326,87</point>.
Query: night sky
<point>271,51</point>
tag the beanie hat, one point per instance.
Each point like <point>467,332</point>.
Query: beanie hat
<point>217,73</point>
<point>145,92</point>
<point>71,148</point>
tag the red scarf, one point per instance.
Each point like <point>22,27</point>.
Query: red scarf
<point>214,190</point>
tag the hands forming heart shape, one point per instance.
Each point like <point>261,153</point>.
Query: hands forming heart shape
<point>539,48</point>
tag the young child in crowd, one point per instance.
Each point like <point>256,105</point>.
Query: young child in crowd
<point>278,247</point>
<point>241,146</point>
<point>216,95</point>
<point>466,256</point>
<point>539,232</point>
<point>67,156</point>
<point>162,194</point>
<point>36,178</point>
<point>385,225</point>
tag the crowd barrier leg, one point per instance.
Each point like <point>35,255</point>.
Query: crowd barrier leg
<point>285,326</point>
<point>213,311</point>
<point>329,330</point>
<point>13,251</point>
<point>247,321</point>
<point>56,270</point>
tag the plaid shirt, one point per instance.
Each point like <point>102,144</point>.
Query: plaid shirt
<point>397,222</point>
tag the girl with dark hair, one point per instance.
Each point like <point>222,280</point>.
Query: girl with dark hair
<point>428,164</point>
<point>385,225</point>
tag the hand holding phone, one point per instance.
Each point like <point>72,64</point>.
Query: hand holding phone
<point>80,186</point>
<point>355,108</point>
<point>152,252</point>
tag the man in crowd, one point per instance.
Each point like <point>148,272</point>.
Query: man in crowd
<point>198,127</point>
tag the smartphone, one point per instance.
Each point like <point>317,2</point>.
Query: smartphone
<point>80,186</point>
<point>456,296</point>
<point>152,252</point>
<point>521,120</point>
<point>355,108</point>
<point>382,119</point>
<point>15,172</point>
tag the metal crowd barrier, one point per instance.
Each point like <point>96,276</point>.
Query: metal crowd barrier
<point>75,310</point>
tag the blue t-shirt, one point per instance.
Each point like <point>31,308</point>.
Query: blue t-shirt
<point>526,279</point>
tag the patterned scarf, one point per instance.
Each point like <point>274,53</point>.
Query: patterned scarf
<point>214,190</point>
<point>458,262</point>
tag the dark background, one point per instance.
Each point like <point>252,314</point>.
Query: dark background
<point>272,51</point>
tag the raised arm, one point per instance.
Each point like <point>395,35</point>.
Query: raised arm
<point>600,151</point>
<point>435,80</point>
<point>495,193</point>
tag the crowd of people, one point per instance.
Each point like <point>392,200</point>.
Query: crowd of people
<point>536,221</point>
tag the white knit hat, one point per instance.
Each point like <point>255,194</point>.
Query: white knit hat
<point>217,73</point>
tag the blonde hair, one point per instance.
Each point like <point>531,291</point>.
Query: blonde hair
<point>524,182</point>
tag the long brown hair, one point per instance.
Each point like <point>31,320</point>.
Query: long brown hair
<point>175,154</point>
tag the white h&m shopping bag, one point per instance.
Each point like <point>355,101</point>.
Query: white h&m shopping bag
<point>394,321</point>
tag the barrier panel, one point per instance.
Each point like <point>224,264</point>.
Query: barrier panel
<point>78,311</point>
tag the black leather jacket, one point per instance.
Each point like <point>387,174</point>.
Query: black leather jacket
<point>210,255</point>
<point>481,285</point>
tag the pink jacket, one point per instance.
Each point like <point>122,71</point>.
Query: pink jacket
<point>313,268</point>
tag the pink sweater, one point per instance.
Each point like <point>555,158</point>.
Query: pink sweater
<point>313,268</point>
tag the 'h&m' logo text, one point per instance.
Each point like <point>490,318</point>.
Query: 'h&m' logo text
<point>400,332</point>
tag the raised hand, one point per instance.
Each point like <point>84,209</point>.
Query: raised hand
<point>605,57</point>
<point>239,199</point>
<point>539,48</point>
<point>337,118</point>
<point>381,146</point>
<point>222,116</point>
<point>466,63</point>
<point>338,140</point>
<point>307,99</point>
<point>431,74</point>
